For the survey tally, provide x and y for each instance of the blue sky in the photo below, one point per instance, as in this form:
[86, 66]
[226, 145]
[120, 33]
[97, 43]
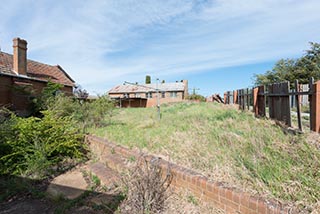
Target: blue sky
[217, 45]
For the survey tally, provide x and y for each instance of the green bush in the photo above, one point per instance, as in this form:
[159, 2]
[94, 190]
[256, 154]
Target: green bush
[46, 98]
[196, 97]
[32, 146]
[86, 114]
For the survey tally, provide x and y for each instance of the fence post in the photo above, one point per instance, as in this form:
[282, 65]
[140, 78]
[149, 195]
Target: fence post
[235, 97]
[296, 84]
[259, 103]
[225, 97]
[255, 101]
[315, 107]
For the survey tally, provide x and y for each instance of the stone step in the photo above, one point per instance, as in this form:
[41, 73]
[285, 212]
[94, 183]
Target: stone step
[115, 162]
[106, 175]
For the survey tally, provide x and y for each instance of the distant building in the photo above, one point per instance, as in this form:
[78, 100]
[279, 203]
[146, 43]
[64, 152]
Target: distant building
[20, 77]
[146, 95]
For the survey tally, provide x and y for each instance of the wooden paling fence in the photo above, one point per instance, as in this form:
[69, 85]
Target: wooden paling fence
[278, 99]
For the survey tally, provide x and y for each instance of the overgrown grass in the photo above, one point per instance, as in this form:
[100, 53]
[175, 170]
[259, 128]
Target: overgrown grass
[227, 145]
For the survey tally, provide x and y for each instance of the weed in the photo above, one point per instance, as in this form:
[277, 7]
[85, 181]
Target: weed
[96, 181]
[132, 158]
[146, 188]
[192, 199]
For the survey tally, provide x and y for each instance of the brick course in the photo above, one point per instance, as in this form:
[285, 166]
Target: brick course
[230, 200]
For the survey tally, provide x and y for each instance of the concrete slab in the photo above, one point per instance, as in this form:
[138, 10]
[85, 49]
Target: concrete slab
[69, 185]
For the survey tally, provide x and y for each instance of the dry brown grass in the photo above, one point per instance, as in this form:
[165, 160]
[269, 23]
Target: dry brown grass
[146, 187]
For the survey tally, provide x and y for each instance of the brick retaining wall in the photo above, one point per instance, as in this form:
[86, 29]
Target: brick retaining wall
[230, 200]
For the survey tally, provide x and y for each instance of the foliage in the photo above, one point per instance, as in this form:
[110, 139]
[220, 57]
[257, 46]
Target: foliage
[31, 146]
[301, 69]
[80, 93]
[196, 97]
[86, 114]
[46, 98]
[148, 79]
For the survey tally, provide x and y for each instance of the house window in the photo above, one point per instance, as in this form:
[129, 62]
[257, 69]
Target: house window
[137, 95]
[149, 95]
[163, 94]
[173, 94]
[126, 95]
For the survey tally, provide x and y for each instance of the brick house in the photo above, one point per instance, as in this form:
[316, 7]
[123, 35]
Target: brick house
[146, 95]
[21, 78]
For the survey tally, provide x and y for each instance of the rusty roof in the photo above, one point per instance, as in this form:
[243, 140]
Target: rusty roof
[36, 70]
[144, 88]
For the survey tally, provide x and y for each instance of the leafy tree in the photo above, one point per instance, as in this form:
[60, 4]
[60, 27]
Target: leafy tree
[80, 93]
[197, 97]
[148, 79]
[294, 69]
[42, 101]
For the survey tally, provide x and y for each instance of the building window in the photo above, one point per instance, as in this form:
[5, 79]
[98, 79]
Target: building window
[149, 95]
[163, 94]
[173, 94]
[137, 95]
[126, 95]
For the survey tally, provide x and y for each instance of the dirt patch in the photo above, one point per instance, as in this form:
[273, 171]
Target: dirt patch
[27, 206]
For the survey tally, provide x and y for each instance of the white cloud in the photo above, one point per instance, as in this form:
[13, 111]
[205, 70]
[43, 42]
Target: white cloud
[101, 43]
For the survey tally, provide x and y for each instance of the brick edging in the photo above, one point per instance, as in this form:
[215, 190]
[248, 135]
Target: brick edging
[229, 199]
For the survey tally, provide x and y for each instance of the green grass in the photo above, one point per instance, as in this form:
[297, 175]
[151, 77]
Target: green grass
[226, 145]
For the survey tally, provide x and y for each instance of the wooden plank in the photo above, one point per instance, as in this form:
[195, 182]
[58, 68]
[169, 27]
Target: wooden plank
[270, 101]
[311, 82]
[261, 102]
[255, 101]
[243, 100]
[286, 116]
[248, 99]
[296, 84]
[284, 95]
[235, 97]
[277, 102]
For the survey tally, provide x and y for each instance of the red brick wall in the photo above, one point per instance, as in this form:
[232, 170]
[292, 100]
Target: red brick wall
[230, 200]
[16, 100]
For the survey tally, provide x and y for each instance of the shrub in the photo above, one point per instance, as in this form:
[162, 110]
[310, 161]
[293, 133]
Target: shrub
[46, 98]
[146, 188]
[197, 97]
[31, 146]
[87, 114]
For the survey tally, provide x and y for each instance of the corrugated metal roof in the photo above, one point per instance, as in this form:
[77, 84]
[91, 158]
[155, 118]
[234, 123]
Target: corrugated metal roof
[176, 86]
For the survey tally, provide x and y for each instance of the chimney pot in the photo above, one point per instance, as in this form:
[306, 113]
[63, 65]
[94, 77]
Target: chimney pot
[20, 56]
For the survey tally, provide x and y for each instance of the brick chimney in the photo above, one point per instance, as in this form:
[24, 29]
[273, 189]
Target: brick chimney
[20, 56]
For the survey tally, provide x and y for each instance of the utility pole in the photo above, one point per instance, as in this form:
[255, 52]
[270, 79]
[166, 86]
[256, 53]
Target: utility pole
[194, 90]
